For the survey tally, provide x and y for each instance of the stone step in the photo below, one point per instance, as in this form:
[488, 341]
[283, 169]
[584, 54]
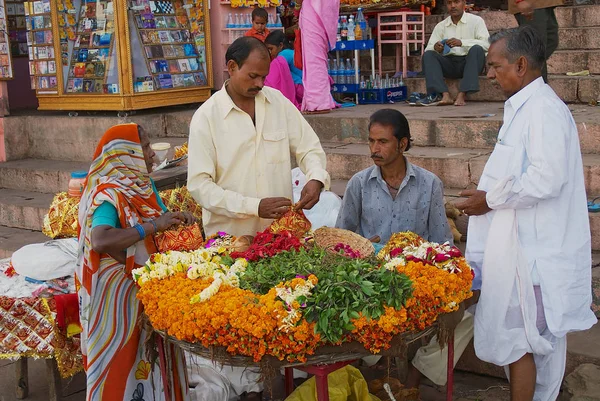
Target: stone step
[23, 209]
[50, 135]
[561, 62]
[444, 126]
[12, 239]
[579, 38]
[458, 168]
[569, 89]
[49, 176]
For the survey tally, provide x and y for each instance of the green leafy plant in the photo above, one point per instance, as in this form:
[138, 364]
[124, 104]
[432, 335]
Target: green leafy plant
[346, 288]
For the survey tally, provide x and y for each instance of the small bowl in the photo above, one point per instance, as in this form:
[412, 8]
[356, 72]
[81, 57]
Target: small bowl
[161, 149]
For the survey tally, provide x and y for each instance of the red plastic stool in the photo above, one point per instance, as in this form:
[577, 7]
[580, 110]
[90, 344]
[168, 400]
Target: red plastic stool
[321, 372]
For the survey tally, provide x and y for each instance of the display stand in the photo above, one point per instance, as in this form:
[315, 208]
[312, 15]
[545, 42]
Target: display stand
[6, 68]
[355, 46]
[119, 54]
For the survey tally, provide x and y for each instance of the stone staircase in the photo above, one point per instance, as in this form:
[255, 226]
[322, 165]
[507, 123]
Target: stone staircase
[579, 49]
[454, 143]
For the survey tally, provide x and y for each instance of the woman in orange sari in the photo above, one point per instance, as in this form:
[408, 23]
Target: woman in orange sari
[118, 214]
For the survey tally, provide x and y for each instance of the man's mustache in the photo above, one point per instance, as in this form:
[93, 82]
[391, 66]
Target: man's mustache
[254, 90]
[376, 156]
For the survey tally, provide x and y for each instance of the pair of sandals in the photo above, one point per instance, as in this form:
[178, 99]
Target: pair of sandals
[593, 206]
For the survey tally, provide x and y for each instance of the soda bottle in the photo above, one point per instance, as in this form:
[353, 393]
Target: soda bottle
[230, 21]
[344, 32]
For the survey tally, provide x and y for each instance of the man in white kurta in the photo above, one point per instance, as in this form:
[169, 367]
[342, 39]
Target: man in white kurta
[529, 236]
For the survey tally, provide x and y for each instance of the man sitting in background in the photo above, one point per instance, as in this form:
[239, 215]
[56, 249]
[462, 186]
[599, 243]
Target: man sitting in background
[394, 196]
[456, 49]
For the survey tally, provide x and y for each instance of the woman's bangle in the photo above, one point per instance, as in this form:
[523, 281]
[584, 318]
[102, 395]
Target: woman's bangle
[154, 225]
[140, 231]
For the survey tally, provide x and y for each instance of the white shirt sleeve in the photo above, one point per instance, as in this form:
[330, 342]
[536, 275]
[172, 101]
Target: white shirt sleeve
[482, 36]
[546, 147]
[436, 36]
[305, 145]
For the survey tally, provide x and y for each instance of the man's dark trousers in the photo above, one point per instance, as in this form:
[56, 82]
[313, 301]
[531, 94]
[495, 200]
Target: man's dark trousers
[543, 21]
[438, 67]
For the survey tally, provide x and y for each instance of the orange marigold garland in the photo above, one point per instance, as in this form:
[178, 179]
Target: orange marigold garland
[274, 320]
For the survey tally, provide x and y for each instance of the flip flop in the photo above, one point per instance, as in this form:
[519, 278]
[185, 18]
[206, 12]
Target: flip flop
[593, 207]
[317, 112]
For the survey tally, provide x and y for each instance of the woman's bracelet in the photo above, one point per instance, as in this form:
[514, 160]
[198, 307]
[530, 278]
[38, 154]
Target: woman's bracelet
[154, 225]
[140, 231]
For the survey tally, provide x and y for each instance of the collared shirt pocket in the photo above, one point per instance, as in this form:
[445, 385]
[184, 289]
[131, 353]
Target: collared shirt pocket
[276, 146]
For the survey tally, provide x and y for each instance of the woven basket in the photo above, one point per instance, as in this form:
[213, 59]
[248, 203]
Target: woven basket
[323, 355]
[328, 238]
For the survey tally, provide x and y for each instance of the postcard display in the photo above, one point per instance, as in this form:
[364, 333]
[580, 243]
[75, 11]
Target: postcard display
[17, 32]
[6, 70]
[118, 54]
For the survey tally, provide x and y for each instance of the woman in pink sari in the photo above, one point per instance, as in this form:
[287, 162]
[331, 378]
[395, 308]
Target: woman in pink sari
[280, 76]
[318, 27]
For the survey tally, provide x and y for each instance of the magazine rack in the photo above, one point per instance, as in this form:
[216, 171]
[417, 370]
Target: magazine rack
[118, 55]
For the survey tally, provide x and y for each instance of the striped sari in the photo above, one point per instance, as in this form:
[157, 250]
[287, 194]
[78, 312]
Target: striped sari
[113, 341]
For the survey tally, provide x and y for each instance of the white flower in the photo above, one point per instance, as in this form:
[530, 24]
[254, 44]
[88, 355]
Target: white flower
[394, 263]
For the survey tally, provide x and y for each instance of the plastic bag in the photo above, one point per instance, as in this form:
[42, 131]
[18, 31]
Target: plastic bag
[325, 212]
[345, 384]
[47, 261]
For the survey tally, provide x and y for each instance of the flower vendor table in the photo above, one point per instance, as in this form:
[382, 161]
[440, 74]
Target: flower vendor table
[275, 301]
[29, 330]
[326, 360]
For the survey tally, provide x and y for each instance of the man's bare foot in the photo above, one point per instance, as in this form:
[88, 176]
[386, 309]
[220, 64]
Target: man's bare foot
[446, 99]
[461, 99]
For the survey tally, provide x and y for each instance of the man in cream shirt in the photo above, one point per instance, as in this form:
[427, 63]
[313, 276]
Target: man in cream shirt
[239, 170]
[240, 142]
[456, 49]
[529, 236]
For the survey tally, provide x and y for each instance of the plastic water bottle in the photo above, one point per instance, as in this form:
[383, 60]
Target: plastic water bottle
[401, 81]
[248, 20]
[349, 72]
[236, 22]
[278, 23]
[342, 73]
[230, 23]
[351, 28]
[339, 30]
[334, 71]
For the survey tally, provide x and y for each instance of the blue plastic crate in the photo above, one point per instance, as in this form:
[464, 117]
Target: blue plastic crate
[345, 88]
[381, 96]
[354, 45]
[344, 45]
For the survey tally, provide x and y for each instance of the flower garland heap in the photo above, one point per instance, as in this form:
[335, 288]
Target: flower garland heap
[287, 300]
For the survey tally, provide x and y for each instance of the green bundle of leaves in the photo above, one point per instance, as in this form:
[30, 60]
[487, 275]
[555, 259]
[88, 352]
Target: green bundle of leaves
[346, 287]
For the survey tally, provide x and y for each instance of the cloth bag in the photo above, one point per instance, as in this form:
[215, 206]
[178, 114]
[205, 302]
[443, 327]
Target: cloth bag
[47, 261]
[505, 321]
[325, 212]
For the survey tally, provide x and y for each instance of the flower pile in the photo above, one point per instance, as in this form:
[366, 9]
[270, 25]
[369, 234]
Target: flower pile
[267, 244]
[346, 250]
[284, 300]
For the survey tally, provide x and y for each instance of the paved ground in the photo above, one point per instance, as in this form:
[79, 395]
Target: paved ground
[467, 386]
